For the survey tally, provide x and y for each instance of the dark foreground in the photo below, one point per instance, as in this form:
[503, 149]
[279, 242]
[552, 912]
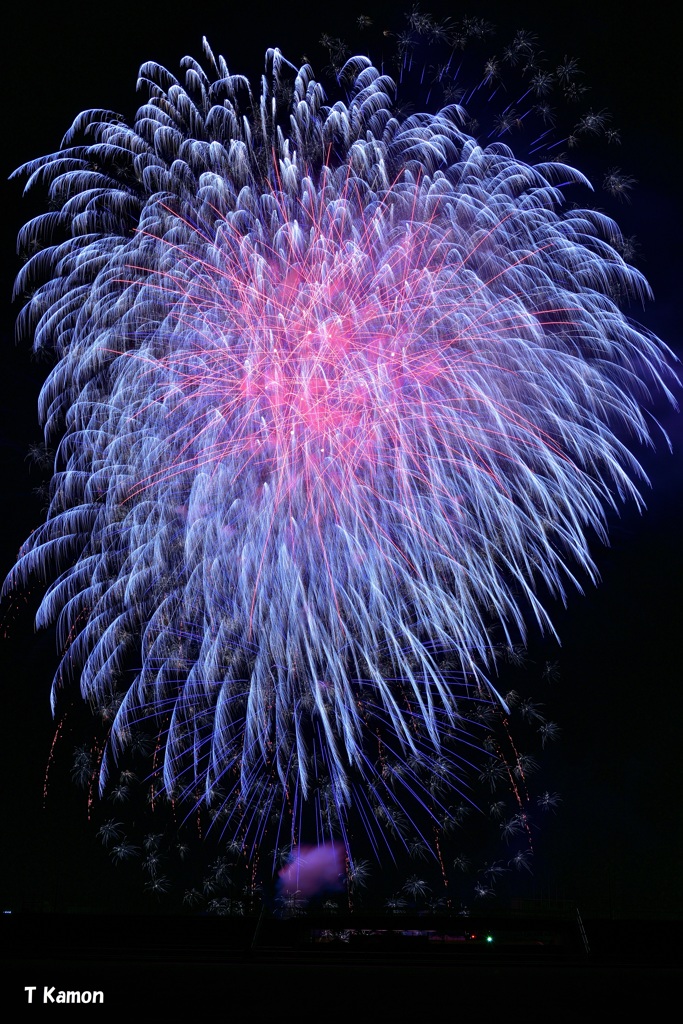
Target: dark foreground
[527, 968]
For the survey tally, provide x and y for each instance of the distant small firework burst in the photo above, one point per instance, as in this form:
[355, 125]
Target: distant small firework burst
[337, 395]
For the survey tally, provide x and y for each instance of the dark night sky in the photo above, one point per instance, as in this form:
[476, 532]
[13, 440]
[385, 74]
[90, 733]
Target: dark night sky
[616, 841]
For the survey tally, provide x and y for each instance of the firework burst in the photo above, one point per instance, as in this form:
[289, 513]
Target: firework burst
[336, 394]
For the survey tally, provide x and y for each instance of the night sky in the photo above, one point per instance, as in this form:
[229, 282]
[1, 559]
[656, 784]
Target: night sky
[615, 843]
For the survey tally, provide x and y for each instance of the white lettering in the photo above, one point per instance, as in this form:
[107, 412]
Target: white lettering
[66, 996]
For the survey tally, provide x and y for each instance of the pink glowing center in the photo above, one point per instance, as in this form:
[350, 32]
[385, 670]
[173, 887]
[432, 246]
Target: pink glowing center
[331, 375]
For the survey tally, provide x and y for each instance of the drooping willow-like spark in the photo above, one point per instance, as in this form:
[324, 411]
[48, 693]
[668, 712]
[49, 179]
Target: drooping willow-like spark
[335, 395]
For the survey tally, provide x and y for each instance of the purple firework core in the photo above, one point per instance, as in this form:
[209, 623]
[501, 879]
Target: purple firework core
[335, 395]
